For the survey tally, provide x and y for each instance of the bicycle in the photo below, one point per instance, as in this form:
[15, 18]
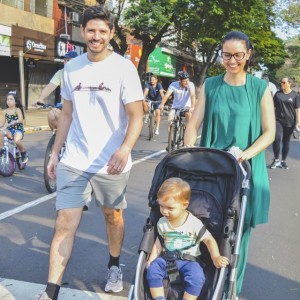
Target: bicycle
[151, 118]
[50, 183]
[10, 156]
[177, 130]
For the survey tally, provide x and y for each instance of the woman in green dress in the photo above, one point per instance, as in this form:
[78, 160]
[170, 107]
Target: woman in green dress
[236, 109]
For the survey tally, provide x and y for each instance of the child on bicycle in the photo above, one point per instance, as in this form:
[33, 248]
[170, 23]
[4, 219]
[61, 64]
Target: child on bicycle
[12, 122]
[178, 230]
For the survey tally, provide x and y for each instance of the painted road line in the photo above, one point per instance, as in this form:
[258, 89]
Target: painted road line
[19, 290]
[25, 206]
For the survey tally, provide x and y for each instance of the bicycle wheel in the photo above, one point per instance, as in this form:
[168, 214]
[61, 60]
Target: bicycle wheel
[50, 184]
[181, 136]
[171, 138]
[151, 126]
[7, 166]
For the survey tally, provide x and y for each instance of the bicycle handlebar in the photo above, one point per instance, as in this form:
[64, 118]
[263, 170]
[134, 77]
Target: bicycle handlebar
[47, 105]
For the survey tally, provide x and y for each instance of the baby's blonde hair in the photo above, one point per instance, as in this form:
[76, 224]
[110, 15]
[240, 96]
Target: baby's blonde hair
[176, 188]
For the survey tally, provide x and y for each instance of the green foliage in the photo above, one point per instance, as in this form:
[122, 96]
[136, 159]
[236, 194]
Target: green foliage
[200, 25]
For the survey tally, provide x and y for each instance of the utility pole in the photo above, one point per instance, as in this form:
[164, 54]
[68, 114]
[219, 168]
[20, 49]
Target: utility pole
[22, 77]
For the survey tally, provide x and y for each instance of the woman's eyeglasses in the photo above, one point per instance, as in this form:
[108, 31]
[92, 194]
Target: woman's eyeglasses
[238, 56]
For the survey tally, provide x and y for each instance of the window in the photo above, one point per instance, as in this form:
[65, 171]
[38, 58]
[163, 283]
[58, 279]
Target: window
[14, 3]
[42, 7]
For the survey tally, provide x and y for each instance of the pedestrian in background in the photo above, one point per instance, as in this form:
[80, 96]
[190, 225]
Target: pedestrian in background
[12, 123]
[154, 92]
[56, 81]
[271, 85]
[101, 118]
[287, 112]
[236, 109]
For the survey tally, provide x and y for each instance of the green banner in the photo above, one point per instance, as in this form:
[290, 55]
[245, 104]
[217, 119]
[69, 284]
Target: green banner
[162, 64]
[4, 45]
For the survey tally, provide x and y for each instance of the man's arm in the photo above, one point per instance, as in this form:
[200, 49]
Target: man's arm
[119, 159]
[48, 89]
[64, 123]
[193, 100]
[165, 99]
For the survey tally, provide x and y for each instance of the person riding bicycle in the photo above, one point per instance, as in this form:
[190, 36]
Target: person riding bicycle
[155, 92]
[56, 81]
[184, 95]
[12, 123]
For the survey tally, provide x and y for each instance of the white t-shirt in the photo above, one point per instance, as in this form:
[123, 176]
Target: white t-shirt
[57, 78]
[272, 88]
[182, 236]
[182, 96]
[99, 92]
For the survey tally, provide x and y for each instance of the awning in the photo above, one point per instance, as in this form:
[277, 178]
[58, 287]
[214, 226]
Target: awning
[161, 64]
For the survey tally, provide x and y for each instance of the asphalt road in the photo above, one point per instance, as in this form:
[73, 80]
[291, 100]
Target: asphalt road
[273, 270]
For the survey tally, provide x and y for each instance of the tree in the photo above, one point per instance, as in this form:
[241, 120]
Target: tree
[150, 21]
[213, 19]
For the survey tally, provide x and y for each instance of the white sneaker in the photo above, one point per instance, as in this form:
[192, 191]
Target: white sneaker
[114, 280]
[156, 131]
[42, 296]
[276, 163]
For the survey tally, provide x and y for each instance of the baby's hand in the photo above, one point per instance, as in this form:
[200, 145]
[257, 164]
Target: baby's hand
[221, 262]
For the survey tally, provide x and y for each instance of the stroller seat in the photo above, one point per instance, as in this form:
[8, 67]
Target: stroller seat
[216, 180]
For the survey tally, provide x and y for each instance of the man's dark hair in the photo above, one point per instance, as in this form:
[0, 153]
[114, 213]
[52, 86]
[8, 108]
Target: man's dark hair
[97, 12]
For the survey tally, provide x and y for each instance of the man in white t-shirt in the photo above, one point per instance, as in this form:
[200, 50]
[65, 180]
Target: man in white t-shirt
[183, 95]
[56, 81]
[271, 85]
[102, 118]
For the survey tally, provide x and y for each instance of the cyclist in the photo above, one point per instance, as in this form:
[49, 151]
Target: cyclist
[13, 123]
[183, 92]
[155, 92]
[55, 81]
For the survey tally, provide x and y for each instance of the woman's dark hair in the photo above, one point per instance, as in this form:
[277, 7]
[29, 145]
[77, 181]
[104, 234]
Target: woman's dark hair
[17, 100]
[97, 12]
[240, 36]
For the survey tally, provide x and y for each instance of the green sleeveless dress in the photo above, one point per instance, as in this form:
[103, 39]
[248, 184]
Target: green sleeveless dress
[233, 118]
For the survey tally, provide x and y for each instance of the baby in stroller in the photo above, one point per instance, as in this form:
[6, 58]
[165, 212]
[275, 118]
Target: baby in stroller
[179, 235]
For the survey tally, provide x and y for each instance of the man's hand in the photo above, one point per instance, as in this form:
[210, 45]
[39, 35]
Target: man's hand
[118, 161]
[52, 164]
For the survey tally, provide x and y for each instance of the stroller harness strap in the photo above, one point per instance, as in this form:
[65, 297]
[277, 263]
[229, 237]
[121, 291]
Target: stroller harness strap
[171, 256]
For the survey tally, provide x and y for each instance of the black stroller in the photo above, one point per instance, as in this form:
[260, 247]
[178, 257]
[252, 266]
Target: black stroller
[219, 198]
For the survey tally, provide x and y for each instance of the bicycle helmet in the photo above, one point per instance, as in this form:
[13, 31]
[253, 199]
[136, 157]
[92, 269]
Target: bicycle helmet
[71, 54]
[183, 75]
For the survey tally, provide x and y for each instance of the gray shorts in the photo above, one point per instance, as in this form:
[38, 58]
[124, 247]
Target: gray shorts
[76, 188]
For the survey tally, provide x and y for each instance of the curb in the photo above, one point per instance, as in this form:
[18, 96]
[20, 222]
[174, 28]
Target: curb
[32, 129]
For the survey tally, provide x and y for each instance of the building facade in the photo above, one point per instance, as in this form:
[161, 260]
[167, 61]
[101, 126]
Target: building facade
[34, 36]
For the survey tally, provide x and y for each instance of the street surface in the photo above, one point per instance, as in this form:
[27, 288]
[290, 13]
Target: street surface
[27, 217]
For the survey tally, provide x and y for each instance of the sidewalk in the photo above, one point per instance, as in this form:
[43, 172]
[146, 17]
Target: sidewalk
[36, 120]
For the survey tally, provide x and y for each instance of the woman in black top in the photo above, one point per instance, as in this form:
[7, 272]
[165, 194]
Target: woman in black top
[287, 112]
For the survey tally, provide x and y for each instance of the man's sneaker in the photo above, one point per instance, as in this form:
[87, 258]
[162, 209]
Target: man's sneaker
[284, 165]
[156, 131]
[43, 296]
[114, 280]
[24, 157]
[275, 164]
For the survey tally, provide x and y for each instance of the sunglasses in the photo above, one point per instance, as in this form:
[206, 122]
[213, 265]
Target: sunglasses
[283, 82]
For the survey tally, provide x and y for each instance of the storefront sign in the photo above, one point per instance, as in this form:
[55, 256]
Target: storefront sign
[63, 46]
[36, 47]
[135, 54]
[4, 45]
[162, 64]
